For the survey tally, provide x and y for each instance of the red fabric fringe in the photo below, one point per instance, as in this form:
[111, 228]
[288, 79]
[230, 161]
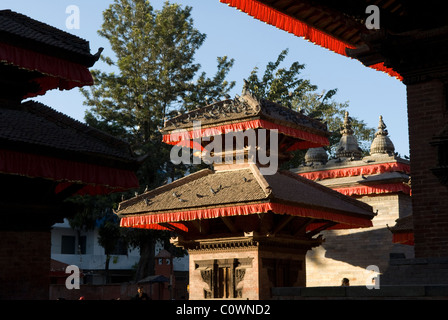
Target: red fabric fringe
[403, 238]
[182, 137]
[357, 171]
[59, 73]
[99, 179]
[151, 221]
[282, 21]
[377, 189]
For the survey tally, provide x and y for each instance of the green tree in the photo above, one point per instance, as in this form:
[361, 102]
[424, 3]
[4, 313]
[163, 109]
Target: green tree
[153, 75]
[108, 237]
[287, 87]
[96, 212]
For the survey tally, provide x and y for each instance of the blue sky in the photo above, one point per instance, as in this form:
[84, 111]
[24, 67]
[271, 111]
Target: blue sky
[251, 43]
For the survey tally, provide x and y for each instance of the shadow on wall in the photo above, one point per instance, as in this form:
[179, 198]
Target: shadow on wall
[362, 248]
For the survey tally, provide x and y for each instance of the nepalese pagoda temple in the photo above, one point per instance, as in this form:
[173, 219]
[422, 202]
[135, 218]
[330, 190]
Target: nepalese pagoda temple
[246, 230]
[380, 179]
[409, 42]
[45, 156]
[350, 162]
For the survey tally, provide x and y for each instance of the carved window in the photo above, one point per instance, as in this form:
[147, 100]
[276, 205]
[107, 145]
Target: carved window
[223, 277]
[224, 283]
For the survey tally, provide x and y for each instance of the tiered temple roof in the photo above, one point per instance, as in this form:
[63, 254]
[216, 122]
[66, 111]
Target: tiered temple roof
[247, 112]
[37, 57]
[234, 197]
[41, 149]
[45, 156]
[37, 141]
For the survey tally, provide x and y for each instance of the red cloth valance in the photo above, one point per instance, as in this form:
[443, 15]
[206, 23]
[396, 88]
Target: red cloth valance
[357, 171]
[99, 179]
[150, 220]
[403, 238]
[154, 226]
[58, 73]
[377, 189]
[282, 21]
[310, 140]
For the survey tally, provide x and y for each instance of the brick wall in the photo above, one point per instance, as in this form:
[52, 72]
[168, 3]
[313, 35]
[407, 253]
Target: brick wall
[25, 265]
[427, 115]
[347, 253]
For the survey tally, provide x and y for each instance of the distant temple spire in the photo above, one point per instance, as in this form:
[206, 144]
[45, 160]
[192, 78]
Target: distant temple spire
[348, 145]
[316, 156]
[382, 143]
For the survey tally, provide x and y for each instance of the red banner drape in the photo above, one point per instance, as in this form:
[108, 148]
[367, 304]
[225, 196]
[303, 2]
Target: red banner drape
[375, 189]
[357, 171]
[58, 73]
[186, 138]
[152, 220]
[403, 238]
[98, 179]
[282, 21]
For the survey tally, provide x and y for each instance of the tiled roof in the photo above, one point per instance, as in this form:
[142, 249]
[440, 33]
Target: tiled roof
[35, 124]
[19, 26]
[194, 191]
[240, 187]
[290, 187]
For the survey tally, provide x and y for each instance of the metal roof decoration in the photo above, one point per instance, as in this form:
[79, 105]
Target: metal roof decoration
[382, 144]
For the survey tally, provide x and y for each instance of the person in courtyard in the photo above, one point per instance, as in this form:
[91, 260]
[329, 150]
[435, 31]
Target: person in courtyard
[141, 295]
[345, 282]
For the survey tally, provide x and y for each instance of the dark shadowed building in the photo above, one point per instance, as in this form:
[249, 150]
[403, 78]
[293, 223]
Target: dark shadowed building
[45, 156]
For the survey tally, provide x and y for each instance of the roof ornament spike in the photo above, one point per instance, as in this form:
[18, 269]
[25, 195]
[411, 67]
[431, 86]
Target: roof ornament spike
[348, 145]
[347, 126]
[247, 92]
[245, 87]
[381, 128]
[382, 144]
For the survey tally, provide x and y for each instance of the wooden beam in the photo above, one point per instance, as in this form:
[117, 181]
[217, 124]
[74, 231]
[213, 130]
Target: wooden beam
[229, 224]
[266, 220]
[69, 191]
[319, 229]
[301, 229]
[201, 226]
[173, 228]
[285, 220]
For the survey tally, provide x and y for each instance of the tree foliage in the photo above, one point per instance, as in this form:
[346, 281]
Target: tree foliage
[287, 87]
[151, 74]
